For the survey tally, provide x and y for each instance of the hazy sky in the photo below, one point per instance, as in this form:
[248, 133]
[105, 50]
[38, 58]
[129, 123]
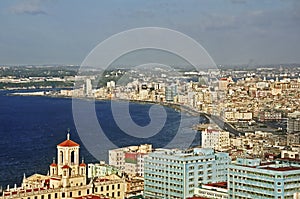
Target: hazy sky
[232, 31]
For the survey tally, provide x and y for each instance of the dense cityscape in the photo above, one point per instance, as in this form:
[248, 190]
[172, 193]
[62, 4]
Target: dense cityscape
[250, 147]
[150, 99]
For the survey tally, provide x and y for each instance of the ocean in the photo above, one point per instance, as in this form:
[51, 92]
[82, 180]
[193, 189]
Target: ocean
[32, 126]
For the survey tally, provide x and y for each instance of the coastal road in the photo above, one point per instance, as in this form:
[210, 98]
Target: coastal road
[225, 125]
[213, 118]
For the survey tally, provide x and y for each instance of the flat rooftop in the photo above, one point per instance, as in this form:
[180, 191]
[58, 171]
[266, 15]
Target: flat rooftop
[218, 185]
[281, 168]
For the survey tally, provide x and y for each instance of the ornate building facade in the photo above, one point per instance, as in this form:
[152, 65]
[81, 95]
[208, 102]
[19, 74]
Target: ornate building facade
[67, 178]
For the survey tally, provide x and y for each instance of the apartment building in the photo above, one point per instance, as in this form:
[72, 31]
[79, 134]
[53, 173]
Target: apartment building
[249, 178]
[130, 159]
[215, 138]
[174, 173]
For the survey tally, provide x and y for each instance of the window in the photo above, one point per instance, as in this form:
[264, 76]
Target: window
[88, 191]
[55, 195]
[61, 155]
[113, 187]
[63, 195]
[79, 193]
[49, 196]
[118, 186]
[107, 188]
[35, 197]
[72, 157]
[42, 197]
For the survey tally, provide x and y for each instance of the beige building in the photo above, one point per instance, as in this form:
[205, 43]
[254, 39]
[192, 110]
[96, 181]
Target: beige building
[66, 179]
[134, 186]
[216, 139]
[292, 153]
[112, 186]
[235, 115]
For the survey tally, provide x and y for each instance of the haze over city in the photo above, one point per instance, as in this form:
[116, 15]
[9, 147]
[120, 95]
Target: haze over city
[232, 31]
[149, 99]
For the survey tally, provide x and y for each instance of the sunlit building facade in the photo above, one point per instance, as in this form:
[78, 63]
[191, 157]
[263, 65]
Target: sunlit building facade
[173, 173]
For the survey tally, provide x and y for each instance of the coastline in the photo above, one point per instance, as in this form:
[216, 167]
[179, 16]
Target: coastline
[177, 107]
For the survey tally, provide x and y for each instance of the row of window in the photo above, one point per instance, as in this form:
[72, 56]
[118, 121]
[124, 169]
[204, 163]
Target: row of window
[180, 161]
[63, 195]
[163, 177]
[107, 188]
[163, 183]
[248, 194]
[151, 170]
[164, 190]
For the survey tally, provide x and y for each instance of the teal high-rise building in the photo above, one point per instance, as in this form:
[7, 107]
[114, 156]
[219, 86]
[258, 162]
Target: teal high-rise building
[249, 178]
[174, 173]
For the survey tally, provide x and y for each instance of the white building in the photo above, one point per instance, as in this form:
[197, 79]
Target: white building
[111, 84]
[101, 169]
[216, 139]
[214, 190]
[130, 159]
[88, 87]
[174, 173]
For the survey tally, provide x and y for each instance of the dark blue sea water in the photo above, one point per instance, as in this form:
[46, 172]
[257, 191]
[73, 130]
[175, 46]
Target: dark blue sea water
[31, 127]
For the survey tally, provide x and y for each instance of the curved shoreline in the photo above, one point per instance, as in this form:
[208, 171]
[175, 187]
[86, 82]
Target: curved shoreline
[177, 107]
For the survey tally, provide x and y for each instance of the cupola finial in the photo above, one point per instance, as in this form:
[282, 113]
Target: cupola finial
[68, 134]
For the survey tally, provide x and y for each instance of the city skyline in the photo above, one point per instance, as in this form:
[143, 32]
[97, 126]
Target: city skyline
[232, 31]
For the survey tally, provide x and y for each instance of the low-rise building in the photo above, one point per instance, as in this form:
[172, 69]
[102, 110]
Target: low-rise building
[112, 186]
[101, 169]
[130, 159]
[134, 186]
[214, 190]
[291, 152]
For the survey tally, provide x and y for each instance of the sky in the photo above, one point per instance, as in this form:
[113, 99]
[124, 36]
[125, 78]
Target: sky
[232, 31]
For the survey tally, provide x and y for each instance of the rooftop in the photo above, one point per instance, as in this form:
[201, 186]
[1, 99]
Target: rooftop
[68, 142]
[92, 197]
[281, 168]
[218, 185]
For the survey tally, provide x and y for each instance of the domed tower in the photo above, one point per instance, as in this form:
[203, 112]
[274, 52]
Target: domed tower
[53, 169]
[82, 168]
[68, 154]
[68, 171]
